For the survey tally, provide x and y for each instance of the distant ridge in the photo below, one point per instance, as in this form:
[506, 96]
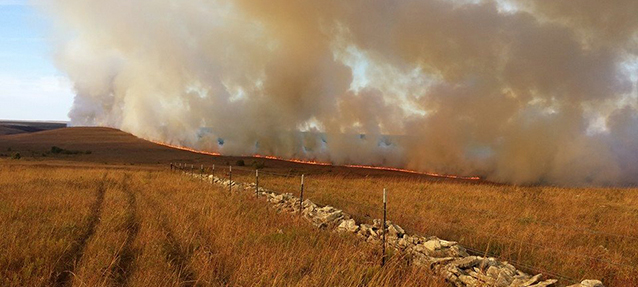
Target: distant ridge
[9, 127]
[104, 145]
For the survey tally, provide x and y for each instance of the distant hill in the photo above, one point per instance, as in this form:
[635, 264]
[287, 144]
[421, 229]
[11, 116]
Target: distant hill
[18, 127]
[93, 144]
[100, 145]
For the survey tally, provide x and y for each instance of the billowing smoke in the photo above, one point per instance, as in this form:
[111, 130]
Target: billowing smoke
[513, 90]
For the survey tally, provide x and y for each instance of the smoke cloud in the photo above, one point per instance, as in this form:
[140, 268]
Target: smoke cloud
[515, 91]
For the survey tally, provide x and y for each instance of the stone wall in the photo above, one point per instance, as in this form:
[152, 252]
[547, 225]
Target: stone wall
[446, 258]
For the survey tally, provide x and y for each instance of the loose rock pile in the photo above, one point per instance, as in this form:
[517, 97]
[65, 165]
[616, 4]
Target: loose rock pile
[446, 258]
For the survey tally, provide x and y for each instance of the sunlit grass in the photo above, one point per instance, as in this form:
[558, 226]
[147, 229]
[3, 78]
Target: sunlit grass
[165, 229]
[573, 232]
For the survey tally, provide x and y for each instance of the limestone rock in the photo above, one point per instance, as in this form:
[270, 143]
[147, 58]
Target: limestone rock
[468, 280]
[545, 283]
[467, 262]
[432, 245]
[493, 272]
[439, 261]
[366, 230]
[531, 280]
[348, 226]
[588, 283]
[447, 244]
[395, 230]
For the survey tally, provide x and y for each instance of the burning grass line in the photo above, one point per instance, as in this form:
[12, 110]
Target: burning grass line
[312, 162]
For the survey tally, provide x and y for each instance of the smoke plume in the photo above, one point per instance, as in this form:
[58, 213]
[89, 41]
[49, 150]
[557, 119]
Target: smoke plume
[512, 90]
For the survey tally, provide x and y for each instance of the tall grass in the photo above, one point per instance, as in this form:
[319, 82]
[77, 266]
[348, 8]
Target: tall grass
[575, 233]
[43, 216]
[143, 228]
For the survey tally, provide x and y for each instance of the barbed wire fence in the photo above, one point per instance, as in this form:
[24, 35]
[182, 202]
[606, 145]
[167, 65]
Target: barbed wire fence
[294, 184]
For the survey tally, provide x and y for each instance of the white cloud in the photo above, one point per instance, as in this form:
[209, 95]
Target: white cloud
[35, 98]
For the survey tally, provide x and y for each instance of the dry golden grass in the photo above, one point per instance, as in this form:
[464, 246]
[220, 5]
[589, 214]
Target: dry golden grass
[113, 227]
[574, 232]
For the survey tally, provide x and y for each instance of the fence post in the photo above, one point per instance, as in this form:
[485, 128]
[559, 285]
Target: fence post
[301, 196]
[256, 183]
[384, 227]
[213, 177]
[230, 178]
[201, 172]
[192, 170]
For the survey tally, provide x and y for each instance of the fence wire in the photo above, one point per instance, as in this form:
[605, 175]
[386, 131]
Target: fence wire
[223, 173]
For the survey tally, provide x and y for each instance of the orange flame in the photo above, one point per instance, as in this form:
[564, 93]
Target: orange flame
[293, 160]
[185, 148]
[414, 172]
[301, 161]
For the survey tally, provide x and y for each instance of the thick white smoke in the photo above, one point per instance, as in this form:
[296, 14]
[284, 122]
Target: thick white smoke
[513, 90]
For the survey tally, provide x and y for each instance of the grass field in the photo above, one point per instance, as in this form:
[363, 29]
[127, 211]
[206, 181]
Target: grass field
[575, 233]
[157, 227]
[104, 227]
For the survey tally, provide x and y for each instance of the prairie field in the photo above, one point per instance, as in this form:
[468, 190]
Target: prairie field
[110, 227]
[118, 216]
[565, 233]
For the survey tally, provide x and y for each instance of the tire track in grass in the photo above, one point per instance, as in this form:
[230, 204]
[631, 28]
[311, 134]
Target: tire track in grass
[124, 266]
[176, 254]
[65, 266]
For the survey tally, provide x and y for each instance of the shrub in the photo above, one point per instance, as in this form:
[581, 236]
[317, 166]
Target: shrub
[240, 163]
[59, 150]
[259, 165]
[16, 156]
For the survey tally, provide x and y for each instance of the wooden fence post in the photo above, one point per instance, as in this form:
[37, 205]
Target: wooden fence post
[301, 196]
[230, 178]
[256, 183]
[384, 227]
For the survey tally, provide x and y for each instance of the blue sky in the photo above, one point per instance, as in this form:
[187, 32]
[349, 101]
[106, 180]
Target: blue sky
[31, 88]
